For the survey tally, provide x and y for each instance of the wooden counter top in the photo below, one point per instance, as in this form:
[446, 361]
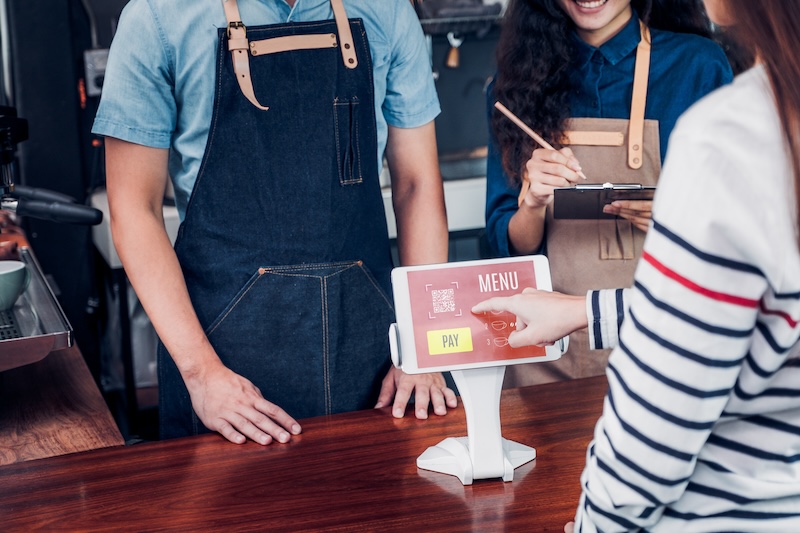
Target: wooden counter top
[354, 471]
[52, 407]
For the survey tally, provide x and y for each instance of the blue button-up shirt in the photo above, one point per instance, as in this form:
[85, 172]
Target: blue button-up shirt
[159, 84]
[683, 69]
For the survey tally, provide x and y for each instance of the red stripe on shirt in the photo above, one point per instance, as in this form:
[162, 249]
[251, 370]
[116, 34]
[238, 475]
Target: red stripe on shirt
[792, 322]
[714, 295]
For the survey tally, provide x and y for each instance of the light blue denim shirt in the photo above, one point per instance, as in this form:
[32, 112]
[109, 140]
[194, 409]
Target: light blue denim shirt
[159, 84]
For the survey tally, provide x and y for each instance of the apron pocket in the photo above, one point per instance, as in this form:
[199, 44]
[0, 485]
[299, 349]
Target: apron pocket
[313, 338]
[616, 239]
[348, 151]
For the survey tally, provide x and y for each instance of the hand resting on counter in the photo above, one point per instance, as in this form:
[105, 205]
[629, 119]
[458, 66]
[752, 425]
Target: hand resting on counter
[428, 389]
[231, 405]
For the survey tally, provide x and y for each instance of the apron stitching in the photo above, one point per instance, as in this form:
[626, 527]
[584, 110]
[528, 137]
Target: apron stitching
[378, 288]
[308, 266]
[358, 154]
[325, 344]
[233, 304]
[300, 25]
[368, 58]
[336, 136]
[297, 275]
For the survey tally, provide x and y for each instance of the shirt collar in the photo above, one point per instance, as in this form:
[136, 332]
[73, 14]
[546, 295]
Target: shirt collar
[305, 5]
[613, 50]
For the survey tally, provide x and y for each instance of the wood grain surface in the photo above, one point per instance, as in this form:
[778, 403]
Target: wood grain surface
[348, 472]
[52, 407]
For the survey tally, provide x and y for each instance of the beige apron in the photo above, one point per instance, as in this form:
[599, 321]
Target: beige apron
[601, 254]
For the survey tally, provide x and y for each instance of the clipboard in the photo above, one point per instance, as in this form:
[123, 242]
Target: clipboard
[585, 202]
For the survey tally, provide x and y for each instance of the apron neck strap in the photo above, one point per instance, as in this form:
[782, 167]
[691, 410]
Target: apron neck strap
[239, 46]
[640, 76]
[345, 36]
[240, 51]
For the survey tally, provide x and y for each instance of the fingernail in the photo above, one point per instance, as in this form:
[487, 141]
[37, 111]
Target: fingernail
[283, 437]
[378, 405]
[398, 413]
[264, 440]
[296, 429]
[422, 414]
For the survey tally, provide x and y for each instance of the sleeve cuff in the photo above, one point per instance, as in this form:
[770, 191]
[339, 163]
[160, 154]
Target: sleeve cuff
[605, 311]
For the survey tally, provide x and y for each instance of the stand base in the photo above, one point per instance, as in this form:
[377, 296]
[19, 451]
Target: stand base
[451, 456]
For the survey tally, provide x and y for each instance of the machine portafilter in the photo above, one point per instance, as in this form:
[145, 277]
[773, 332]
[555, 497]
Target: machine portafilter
[31, 201]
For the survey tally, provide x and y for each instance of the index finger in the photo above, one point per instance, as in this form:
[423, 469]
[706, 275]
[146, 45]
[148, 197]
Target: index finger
[496, 304]
[562, 157]
[277, 415]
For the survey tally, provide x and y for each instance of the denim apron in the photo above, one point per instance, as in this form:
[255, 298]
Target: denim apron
[284, 246]
[599, 254]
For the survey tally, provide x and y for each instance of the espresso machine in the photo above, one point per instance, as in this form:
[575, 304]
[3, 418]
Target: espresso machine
[32, 201]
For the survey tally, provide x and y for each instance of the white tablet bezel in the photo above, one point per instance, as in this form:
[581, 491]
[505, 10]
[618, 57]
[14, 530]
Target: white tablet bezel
[404, 341]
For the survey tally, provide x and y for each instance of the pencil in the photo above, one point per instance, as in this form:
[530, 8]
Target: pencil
[533, 135]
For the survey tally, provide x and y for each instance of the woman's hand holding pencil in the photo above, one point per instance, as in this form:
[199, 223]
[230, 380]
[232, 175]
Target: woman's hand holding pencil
[547, 168]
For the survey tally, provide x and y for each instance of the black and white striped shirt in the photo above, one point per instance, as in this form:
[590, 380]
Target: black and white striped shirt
[701, 425]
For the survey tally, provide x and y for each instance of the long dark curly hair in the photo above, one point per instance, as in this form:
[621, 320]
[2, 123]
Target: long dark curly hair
[534, 55]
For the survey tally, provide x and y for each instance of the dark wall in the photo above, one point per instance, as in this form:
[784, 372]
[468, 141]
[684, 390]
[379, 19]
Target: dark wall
[462, 130]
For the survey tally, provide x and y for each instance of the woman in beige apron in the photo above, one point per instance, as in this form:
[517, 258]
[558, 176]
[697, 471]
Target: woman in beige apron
[628, 148]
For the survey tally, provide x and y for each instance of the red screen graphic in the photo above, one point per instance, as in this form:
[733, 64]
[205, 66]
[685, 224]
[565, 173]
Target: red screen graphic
[441, 303]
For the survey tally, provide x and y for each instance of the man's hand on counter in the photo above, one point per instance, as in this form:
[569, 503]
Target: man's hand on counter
[231, 405]
[428, 389]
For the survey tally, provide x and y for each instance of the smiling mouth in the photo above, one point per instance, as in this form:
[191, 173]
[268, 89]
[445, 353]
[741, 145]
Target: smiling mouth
[589, 4]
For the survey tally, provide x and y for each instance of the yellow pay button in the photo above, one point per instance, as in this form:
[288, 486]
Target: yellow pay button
[444, 341]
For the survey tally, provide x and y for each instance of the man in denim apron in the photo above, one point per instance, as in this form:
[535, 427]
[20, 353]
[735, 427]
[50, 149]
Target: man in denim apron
[277, 295]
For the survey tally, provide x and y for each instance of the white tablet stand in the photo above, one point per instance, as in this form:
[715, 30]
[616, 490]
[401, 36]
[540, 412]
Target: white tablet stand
[443, 295]
[483, 453]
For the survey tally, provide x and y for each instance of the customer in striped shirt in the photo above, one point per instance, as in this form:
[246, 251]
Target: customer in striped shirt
[701, 424]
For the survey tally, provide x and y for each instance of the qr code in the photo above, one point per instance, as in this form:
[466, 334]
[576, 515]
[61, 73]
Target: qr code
[444, 300]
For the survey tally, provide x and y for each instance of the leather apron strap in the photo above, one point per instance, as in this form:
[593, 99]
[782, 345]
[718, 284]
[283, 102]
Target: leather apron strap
[639, 99]
[240, 47]
[641, 74]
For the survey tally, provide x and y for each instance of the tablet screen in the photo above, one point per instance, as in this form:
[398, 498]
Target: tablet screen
[438, 301]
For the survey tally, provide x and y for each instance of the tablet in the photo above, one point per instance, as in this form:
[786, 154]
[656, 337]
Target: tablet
[587, 201]
[436, 329]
